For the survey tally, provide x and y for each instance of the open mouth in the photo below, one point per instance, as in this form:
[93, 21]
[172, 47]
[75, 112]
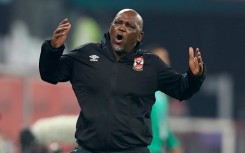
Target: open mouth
[119, 38]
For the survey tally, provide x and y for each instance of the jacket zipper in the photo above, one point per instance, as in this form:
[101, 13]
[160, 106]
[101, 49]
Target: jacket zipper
[114, 89]
[114, 77]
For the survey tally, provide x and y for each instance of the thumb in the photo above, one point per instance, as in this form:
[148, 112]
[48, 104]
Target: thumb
[191, 53]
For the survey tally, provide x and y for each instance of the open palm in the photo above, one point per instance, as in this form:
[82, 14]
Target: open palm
[195, 62]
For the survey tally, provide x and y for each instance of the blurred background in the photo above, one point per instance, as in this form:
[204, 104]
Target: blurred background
[213, 121]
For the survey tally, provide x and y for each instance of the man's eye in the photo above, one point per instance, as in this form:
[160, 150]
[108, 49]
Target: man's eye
[117, 22]
[131, 26]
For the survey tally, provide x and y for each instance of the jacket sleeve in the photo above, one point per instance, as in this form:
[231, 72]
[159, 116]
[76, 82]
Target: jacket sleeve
[54, 67]
[176, 85]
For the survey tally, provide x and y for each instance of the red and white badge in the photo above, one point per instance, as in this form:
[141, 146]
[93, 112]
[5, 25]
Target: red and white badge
[138, 63]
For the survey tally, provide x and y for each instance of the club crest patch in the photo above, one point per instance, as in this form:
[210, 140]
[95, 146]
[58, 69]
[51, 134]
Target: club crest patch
[138, 63]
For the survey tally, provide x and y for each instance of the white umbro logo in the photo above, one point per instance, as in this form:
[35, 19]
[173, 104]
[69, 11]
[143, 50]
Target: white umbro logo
[94, 58]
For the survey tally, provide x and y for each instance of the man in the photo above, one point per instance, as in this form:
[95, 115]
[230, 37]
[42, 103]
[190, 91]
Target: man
[163, 137]
[115, 82]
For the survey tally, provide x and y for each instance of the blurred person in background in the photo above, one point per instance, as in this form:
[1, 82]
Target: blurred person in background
[163, 136]
[115, 83]
[29, 143]
[31, 140]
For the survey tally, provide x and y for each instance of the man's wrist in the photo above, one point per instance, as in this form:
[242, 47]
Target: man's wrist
[55, 48]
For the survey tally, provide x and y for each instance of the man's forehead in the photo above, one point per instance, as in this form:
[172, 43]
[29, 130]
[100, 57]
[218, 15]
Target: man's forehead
[126, 16]
[130, 16]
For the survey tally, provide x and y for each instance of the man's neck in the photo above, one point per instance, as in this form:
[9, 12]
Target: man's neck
[119, 54]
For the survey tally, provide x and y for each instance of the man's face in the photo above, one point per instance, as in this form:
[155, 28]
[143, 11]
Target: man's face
[125, 31]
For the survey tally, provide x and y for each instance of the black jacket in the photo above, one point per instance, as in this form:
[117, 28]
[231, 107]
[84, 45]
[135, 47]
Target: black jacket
[115, 97]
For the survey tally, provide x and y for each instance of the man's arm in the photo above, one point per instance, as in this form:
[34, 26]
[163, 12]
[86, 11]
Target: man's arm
[182, 86]
[53, 66]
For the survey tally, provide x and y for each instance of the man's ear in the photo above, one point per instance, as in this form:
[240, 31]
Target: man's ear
[140, 37]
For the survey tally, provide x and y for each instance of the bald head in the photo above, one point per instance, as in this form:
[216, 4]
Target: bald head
[132, 12]
[126, 31]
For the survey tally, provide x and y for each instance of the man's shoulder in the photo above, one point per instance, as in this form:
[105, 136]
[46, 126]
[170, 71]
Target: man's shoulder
[87, 46]
[84, 50]
[149, 54]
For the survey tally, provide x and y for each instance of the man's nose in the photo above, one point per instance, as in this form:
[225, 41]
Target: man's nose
[122, 28]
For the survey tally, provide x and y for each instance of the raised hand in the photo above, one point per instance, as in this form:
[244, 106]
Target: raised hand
[195, 62]
[60, 34]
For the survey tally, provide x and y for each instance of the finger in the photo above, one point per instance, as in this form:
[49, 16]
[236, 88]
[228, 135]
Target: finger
[60, 30]
[59, 33]
[200, 68]
[64, 25]
[199, 60]
[63, 21]
[199, 57]
[191, 53]
[68, 27]
[56, 36]
[197, 50]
